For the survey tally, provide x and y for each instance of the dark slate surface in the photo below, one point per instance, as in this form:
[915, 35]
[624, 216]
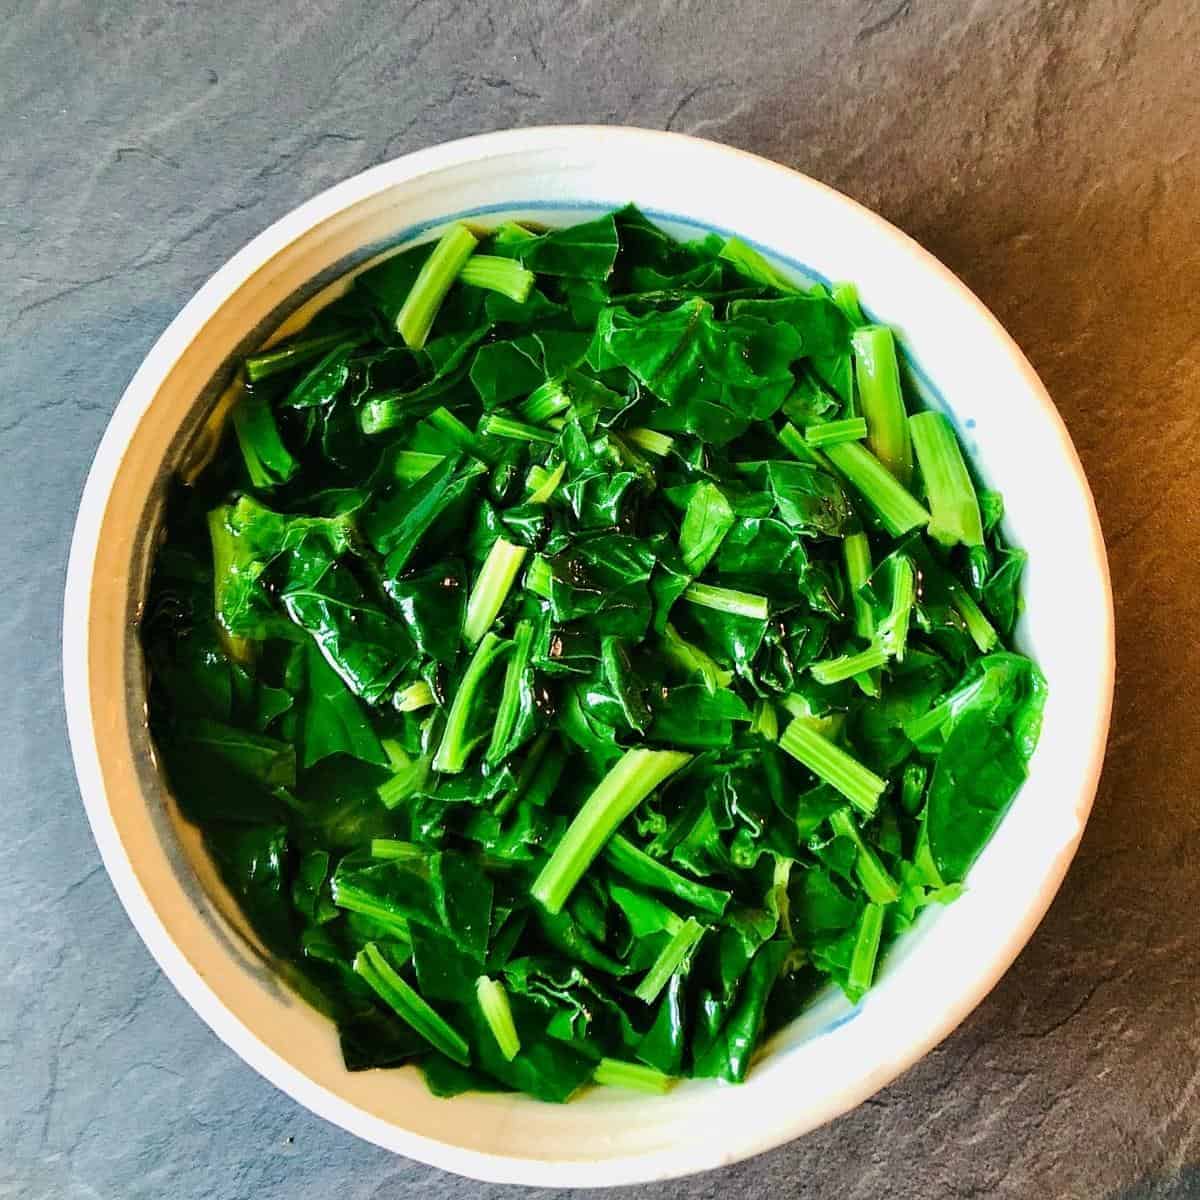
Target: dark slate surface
[1046, 149]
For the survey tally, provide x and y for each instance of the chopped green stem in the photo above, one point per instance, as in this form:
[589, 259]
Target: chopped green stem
[547, 483]
[875, 878]
[845, 296]
[491, 588]
[912, 788]
[354, 900]
[832, 433]
[511, 233]
[537, 476]
[395, 848]
[766, 721]
[451, 756]
[545, 402]
[798, 706]
[650, 440]
[834, 670]
[411, 1008]
[445, 422]
[498, 426]
[898, 509]
[397, 756]
[224, 554]
[948, 485]
[382, 413]
[268, 461]
[792, 440]
[866, 950]
[415, 696]
[510, 698]
[496, 274]
[440, 270]
[844, 773]
[627, 784]
[669, 960]
[406, 782]
[497, 1012]
[892, 635]
[612, 1072]
[411, 465]
[727, 600]
[284, 358]
[877, 373]
[637, 865]
[982, 632]
[631, 458]
[539, 577]
[857, 551]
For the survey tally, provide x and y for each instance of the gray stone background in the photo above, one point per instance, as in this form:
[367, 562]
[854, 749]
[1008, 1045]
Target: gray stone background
[1048, 150]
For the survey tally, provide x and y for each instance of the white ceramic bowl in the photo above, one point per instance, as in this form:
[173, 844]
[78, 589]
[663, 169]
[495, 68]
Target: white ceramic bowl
[834, 1057]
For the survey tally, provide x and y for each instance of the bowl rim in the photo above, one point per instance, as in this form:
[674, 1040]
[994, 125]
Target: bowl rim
[202, 996]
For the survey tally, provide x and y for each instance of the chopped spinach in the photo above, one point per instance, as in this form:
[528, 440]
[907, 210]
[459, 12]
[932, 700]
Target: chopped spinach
[579, 651]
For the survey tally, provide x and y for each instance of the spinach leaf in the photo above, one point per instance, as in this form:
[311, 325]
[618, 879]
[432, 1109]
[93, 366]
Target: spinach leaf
[331, 720]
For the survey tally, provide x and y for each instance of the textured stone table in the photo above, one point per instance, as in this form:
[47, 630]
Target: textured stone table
[1048, 150]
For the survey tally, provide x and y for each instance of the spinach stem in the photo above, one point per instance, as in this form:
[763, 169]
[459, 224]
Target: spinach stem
[501, 426]
[415, 696]
[896, 507]
[283, 358]
[627, 784]
[834, 670]
[952, 499]
[496, 274]
[510, 697]
[545, 401]
[637, 865]
[832, 433]
[856, 550]
[394, 848]
[497, 1012]
[410, 1007]
[451, 756]
[546, 483]
[612, 1072]
[875, 878]
[669, 960]
[866, 950]
[727, 600]
[650, 440]
[844, 773]
[877, 374]
[416, 316]
[491, 588]
[892, 635]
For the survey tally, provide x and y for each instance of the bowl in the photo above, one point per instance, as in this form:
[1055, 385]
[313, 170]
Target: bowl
[958, 357]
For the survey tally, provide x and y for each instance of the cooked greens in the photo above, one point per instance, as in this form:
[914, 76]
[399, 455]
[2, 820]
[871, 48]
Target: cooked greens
[579, 653]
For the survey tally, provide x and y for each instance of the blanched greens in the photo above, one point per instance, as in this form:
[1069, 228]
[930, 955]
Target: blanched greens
[578, 653]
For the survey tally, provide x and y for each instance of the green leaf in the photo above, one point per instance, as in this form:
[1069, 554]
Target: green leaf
[584, 251]
[331, 720]
[705, 523]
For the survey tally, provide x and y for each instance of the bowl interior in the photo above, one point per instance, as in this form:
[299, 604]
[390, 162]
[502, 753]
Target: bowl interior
[960, 360]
